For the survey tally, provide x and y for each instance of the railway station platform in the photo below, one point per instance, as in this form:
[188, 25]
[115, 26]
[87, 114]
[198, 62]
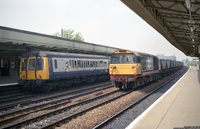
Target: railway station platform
[178, 108]
[8, 80]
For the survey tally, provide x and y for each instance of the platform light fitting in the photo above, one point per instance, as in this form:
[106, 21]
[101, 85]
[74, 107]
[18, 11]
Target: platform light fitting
[191, 28]
[193, 40]
[188, 4]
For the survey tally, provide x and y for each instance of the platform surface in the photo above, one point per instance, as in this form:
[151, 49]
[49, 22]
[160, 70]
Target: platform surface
[8, 80]
[177, 108]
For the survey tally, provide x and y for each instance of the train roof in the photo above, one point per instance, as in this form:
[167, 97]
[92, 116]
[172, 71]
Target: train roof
[60, 54]
[123, 51]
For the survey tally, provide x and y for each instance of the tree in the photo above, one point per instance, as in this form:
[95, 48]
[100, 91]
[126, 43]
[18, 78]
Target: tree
[69, 34]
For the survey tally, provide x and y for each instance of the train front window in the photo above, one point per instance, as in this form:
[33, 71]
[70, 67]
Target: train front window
[24, 65]
[122, 59]
[40, 64]
[31, 65]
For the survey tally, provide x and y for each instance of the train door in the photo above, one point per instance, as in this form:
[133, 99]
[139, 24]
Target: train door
[36, 68]
[31, 68]
[23, 68]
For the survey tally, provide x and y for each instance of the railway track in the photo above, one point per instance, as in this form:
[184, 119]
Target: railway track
[63, 110]
[14, 97]
[51, 103]
[66, 113]
[9, 89]
[107, 121]
[36, 98]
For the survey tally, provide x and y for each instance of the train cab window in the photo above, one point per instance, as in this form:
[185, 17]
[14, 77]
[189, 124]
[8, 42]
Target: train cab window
[129, 59]
[40, 64]
[55, 64]
[123, 59]
[24, 65]
[31, 65]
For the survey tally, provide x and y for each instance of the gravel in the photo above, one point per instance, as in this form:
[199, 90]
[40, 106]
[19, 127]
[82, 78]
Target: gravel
[127, 117]
[73, 101]
[98, 115]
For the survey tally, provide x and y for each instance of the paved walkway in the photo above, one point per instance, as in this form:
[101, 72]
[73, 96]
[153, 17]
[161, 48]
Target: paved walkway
[178, 108]
[8, 79]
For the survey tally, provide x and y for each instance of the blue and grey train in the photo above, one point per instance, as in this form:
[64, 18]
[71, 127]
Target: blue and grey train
[46, 70]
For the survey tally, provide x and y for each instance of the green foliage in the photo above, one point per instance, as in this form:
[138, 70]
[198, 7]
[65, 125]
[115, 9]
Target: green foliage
[193, 63]
[190, 63]
[69, 34]
[186, 62]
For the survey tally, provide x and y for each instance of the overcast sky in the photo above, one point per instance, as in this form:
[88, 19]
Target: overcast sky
[105, 22]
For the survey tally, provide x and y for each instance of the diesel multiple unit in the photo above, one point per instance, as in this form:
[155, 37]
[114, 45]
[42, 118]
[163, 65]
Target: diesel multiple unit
[48, 70]
[129, 70]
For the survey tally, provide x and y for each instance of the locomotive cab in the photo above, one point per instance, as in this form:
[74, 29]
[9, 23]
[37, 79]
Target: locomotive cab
[33, 70]
[124, 68]
[124, 64]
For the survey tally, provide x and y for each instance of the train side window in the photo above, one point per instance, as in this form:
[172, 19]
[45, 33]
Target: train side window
[101, 62]
[96, 63]
[31, 65]
[24, 65]
[79, 63]
[75, 64]
[82, 64]
[70, 63]
[55, 64]
[88, 63]
[50, 65]
[105, 64]
[91, 64]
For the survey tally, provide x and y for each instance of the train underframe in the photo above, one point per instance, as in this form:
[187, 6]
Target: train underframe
[133, 82]
[130, 82]
[60, 83]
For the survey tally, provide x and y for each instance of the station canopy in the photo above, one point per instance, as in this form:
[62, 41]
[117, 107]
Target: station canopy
[177, 20]
[20, 41]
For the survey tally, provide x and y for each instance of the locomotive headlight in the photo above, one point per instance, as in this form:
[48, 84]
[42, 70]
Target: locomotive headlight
[133, 67]
[111, 68]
